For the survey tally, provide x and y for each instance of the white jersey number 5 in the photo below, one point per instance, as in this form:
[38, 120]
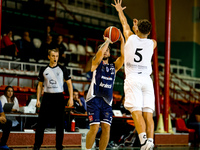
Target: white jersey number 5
[138, 54]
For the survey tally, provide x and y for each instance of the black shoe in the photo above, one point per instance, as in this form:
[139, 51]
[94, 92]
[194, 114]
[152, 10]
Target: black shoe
[36, 148]
[59, 148]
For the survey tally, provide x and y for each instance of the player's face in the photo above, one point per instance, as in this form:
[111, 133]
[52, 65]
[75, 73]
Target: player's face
[75, 95]
[9, 92]
[53, 57]
[106, 54]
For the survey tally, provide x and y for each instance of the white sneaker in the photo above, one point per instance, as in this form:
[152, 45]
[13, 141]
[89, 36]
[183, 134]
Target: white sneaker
[148, 146]
[144, 145]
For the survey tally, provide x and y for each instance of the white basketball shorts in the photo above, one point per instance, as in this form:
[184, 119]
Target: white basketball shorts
[139, 93]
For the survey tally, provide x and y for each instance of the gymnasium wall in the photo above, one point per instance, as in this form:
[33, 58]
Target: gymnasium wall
[185, 28]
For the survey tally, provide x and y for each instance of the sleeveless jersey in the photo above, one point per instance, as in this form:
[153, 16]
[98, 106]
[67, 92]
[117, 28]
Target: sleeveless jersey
[53, 78]
[138, 53]
[102, 83]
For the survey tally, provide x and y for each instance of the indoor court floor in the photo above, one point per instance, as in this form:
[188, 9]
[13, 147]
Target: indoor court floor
[125, 148]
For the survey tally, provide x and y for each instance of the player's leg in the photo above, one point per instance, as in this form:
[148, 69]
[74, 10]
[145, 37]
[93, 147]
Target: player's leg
[105, 136]
[134, 103]
[148, 108]
[148, 118]
[93, 112]
[149, 105]
[91, 135]
[139, 121]
[106, 120]
[140, 126]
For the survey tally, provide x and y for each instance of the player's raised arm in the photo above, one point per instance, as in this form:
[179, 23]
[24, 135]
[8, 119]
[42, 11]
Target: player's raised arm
[135, 26]
[99, 55]
[120, 60]
[126, 28]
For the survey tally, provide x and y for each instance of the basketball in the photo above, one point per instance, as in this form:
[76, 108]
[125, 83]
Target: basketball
[112, 33]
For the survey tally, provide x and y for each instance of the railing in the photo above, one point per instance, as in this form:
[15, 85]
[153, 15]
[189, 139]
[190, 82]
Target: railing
[11, 66]
[82, 11]
[180, 90]
[96, 5]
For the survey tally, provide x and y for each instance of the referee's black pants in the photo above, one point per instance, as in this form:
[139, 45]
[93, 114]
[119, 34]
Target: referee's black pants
[51, 111]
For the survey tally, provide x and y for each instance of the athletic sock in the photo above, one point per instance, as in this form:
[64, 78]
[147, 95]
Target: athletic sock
[142, 137]
[150, 140]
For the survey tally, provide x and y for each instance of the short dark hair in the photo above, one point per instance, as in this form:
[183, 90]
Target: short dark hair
[144, 26]
[75, 90]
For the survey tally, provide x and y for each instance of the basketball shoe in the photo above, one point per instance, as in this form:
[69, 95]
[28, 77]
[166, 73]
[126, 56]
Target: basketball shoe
[147, 145]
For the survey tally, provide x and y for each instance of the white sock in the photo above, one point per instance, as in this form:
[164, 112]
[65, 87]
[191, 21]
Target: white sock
[150, 140]
[88, 149]
[142, 137]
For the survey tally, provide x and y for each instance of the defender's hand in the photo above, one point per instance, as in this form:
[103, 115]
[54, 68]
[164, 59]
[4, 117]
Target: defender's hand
[118, 5]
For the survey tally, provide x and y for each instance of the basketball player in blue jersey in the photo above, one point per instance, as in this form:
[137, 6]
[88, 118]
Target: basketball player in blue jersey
[100, 94]
[52, 107]
[138, 87]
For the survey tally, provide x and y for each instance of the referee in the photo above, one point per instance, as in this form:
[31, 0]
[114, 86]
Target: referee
[52, 107]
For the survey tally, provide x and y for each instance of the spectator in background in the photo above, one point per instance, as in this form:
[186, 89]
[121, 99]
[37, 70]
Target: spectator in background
[7, 46]
[48, 31]
[26, 47]
[194, 122]
[62, 56]
[5, 125]
[43, 52]
[79, 108]
[9, 97]
[79, 103]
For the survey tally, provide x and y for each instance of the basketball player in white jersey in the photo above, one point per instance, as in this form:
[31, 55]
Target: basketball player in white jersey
[139, 92]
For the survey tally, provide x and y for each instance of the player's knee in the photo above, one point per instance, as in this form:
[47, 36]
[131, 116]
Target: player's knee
[105, 126]
[147, 109]
[132, 109]
[94, 128]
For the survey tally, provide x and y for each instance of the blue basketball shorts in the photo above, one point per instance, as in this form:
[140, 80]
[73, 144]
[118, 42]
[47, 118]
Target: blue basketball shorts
[99, 111]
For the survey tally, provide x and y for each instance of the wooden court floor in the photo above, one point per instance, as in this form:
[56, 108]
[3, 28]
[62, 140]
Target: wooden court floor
[135, 148]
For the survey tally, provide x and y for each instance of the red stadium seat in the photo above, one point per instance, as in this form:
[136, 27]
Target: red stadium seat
[2, 88]
[33, 90]
[181, 127]
[15, 88]
[23, 89]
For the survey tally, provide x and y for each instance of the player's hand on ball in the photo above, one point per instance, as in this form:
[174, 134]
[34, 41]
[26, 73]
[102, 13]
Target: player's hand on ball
[107, 39]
